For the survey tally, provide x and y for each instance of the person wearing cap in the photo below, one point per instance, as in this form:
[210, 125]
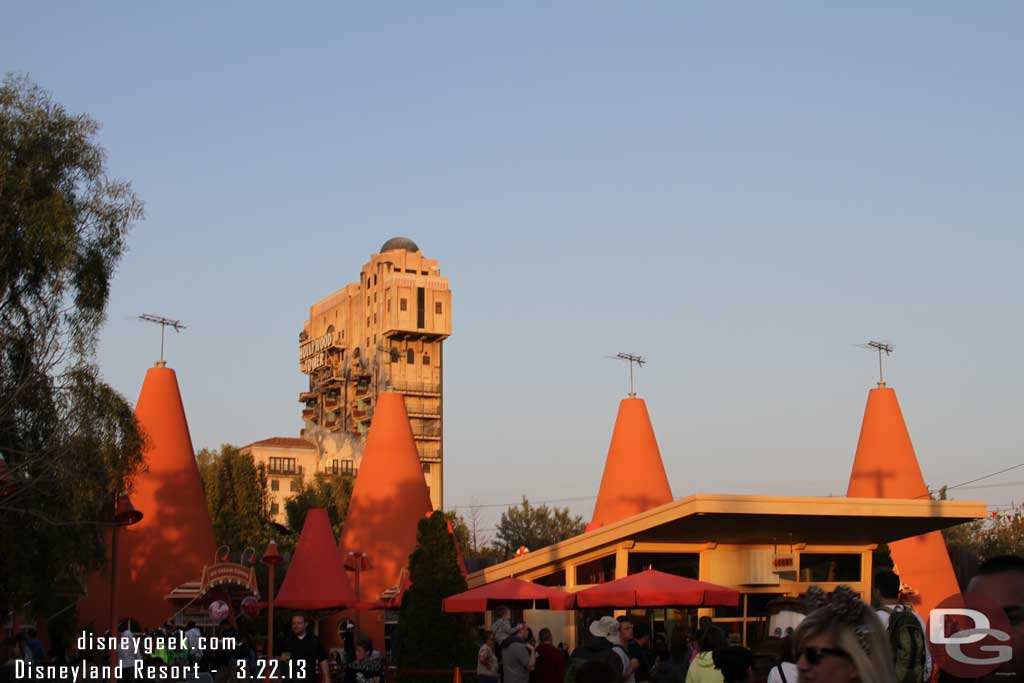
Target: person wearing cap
[517, 657]
[601, 646]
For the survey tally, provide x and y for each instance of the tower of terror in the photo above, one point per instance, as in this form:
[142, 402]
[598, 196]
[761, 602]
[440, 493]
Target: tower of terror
[384, 333]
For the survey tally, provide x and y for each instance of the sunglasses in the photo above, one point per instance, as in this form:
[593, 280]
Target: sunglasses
[814, 655]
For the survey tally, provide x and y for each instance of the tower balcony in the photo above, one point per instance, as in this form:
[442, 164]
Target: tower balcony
[427, 432]
[284, 470]
[417, 388]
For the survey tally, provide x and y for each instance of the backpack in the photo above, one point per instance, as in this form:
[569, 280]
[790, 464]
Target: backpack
[906, 637]
[578, 659]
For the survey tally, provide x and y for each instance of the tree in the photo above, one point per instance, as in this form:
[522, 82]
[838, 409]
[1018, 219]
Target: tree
[331, 491]
[535, 527]
[971, 543]
[69, 441]
[461, 531]
[428, 637]
[237, 497]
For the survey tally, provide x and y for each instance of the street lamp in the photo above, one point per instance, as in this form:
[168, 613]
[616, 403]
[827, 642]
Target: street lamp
[271, 558]
[125, 514]
[358, 562]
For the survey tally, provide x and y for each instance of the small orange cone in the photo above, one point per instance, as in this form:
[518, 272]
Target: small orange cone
[457, 675]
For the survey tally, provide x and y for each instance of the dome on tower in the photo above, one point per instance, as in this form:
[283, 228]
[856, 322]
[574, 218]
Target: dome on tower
[399, 243]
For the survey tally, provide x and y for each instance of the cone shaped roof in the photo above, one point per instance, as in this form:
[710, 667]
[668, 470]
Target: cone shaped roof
[885, 466]
[174, 540]
[389, 499]
[316, 578]
[634, 478]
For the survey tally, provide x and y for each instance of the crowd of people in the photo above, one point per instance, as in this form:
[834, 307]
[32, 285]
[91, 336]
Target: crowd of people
[842, 639]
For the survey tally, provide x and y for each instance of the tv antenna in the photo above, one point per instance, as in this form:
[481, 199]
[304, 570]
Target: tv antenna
[631, 359]
[164, 323]
[882, 347]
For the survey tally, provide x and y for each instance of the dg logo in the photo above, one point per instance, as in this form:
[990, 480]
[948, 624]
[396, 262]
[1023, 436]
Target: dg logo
[969, 635]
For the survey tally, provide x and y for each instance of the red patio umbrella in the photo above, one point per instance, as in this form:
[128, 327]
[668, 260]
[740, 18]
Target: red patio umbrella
[652, 588]
[515, 593]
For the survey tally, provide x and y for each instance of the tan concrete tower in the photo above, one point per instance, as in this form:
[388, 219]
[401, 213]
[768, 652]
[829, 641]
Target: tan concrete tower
[382, 333]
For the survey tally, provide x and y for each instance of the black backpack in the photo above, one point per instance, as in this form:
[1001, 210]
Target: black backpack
[580, 657]
[906, 637]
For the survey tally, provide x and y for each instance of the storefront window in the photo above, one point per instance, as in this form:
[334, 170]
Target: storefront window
[596, 571]
[730, 612]
[679, 564]
[553, 580]
[817, 567]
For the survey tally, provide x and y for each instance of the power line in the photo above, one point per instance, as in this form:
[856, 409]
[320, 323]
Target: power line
[971, 481]
[519, 502]
[992, 486]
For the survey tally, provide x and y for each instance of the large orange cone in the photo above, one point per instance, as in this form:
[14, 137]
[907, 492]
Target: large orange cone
[886, 466]
[389, 499]
[174, 540]
[634, 477]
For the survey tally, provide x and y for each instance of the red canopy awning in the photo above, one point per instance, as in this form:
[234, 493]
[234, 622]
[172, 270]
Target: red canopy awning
[652, 588]
[316, 575]
[515, 593]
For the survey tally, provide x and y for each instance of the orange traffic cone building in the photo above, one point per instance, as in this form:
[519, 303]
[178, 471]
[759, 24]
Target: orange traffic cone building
[316, 578]
[634, 478]
[389, 499]
[886, 466]
[174, 540]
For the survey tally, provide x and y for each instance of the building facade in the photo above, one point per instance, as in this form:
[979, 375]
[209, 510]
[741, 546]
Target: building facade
[288, 463]
[765, 547]
[382, 333]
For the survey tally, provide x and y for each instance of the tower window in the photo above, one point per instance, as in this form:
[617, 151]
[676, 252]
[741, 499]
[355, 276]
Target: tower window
[275, 485]
[403, 304]
[274, 508]
[426, 468]
[421, 297]
[375, 278]
[389, 305]
[437, 307]
[293, 485]
[410, 357]
[426, 359]
[394, 355]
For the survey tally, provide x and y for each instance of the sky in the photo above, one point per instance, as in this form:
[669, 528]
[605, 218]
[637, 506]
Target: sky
[740, 192]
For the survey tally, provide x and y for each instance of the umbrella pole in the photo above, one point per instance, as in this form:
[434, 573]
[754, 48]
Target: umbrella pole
[358, 620]
[270, 615]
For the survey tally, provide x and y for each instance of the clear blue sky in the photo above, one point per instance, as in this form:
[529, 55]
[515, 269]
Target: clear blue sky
[741, 193]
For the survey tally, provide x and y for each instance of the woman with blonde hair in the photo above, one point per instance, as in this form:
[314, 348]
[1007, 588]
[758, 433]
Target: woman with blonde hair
[842, 641]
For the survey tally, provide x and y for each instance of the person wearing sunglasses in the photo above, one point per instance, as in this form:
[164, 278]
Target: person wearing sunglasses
[1001, 579]
[842, 641]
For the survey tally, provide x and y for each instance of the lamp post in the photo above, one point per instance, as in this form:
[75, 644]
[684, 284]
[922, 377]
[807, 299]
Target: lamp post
[271, 558]
[124, 515]
[358, 562]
